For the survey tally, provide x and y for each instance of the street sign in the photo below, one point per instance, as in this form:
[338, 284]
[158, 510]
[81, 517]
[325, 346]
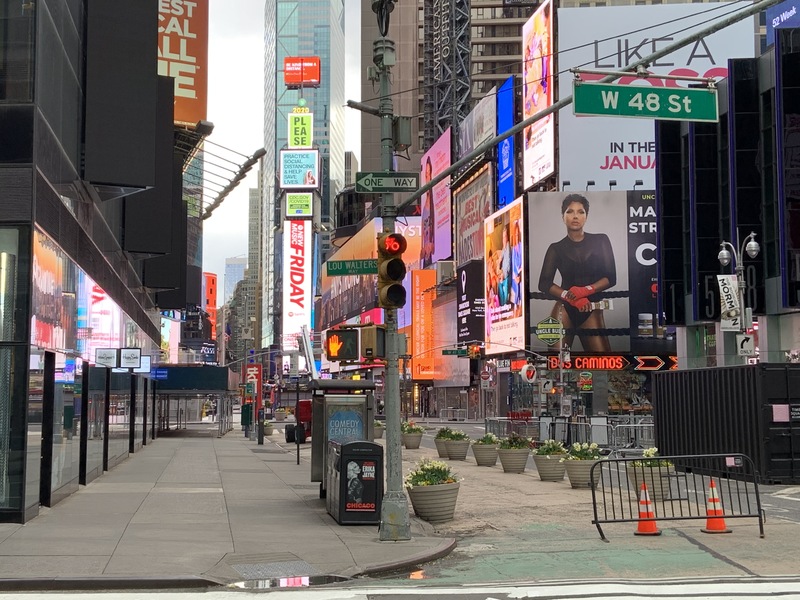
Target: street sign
[485, 375]
[528, 373]
[745, 344]
[367, 266]
[454, 352]
[382, 181]
[670, 104]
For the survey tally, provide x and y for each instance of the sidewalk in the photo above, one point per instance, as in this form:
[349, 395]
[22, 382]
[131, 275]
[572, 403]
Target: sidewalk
[194, 511]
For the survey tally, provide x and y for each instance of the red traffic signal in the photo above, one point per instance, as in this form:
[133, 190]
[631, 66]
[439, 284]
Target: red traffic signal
[391, 270]
[342, 344]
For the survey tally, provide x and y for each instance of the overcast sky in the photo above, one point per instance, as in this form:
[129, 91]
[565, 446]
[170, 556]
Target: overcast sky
[235, 106]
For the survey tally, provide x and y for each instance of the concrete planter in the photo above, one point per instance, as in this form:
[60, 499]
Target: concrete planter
[657, 480]
[269, 429]
[434, 503]
[378, 432]
[441, 447]
[485, 454]
[457, 449]
[280, 416]
[513, 459]
[550, 467]
[411, 440]
[578, 472]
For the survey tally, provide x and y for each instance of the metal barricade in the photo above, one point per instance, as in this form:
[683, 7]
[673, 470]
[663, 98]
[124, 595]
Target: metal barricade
[453, 414]
[679, 488]
[631, 439]
[500, 426]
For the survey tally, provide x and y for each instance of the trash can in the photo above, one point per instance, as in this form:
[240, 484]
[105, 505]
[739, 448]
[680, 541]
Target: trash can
[354, 477]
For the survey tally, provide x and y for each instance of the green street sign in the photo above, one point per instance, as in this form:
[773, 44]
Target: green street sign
[668, 104]
[250, 389]
[367, 266]
[454, 352]
[382, 181]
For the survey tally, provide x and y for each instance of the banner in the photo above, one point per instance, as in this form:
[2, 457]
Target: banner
[437, 222]
[473, 203]
[423, 292]
[730, 313]
[471, 303]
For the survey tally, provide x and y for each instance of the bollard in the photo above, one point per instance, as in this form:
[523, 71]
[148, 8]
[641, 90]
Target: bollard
[260, 432]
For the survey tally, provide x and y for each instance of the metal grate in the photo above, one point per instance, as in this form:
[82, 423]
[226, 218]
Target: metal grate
[293, 568]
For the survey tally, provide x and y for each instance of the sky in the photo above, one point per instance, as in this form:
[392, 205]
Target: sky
[235, 106]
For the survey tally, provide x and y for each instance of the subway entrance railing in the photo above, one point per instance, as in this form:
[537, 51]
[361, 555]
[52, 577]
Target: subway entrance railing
[679, 488]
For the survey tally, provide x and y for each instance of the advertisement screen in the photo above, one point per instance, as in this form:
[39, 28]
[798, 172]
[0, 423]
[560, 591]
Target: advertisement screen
[610, 37]
[299, 169]
[301, 70]
[299, 204]
[538, 158]
[297, 280]
[473, 203]
[423, 288]
[471, 302]
[504, 279]
[479, 125]
[435, 203]
[183, 54]
[505, 149]
[601, 248]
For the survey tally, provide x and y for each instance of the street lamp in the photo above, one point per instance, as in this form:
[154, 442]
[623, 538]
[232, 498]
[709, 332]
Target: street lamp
[749, 245]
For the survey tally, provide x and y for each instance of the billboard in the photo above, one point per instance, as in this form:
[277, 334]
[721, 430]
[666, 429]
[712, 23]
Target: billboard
[471, 302]
[606, 258]
[423, 293]
[299, 169]
[473, 203]
[479, 126]
[610, 37]
[504, 279]
[780, 16]
[301, 71]
[435, 204]
[538, 157]
[299, 204]
[505, 150]
[297, 280]
[183, 54]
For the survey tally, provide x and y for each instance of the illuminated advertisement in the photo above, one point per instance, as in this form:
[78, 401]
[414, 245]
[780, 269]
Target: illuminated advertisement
[479, 125]
[593, 271]
[299, 204]
[504, 279]
[538, 157]
[299, 169]
[183, 54]
[347, 296]
[297, 280]
[210, 300]
[471, 302]
[505, 149]
[301, 71]
[473, 203]
[610, 37]
[435, 204]
[423, 293]
[51, 325]
[451, 370]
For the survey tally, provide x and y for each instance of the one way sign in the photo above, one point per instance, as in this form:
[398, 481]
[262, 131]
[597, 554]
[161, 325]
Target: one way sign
[746, 344]
[386, 181]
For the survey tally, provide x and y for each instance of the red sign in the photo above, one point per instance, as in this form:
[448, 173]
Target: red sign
[485, 375]
[301, 71]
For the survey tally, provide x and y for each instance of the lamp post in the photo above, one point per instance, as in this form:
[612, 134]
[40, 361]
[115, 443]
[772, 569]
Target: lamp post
[749, 245]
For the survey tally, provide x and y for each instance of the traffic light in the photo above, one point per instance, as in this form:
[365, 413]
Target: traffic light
[373, 341]
[391, 270]
[342, 344]
[474, 351]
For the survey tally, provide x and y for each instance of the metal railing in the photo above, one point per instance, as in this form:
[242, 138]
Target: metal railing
[453, 414]
[679, 488]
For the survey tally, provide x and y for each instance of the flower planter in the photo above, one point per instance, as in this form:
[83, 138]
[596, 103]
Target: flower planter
[411, 440]
[269, 429]
[513, 459]
[578, 472]
[280, 416]
[378, 432]
[434, 503]
[656, 479]
[485, 454]
[441, 448]
[550, 467]
[457, 449]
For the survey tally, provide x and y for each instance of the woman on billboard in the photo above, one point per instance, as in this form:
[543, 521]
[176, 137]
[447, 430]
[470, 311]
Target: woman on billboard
[585, 262]
[428, 222]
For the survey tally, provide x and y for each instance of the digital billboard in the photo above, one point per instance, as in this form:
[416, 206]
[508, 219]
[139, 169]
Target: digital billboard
[423, 293]
[479, 126]
[299, 169]
[471, 302]
[473, 203]
[593, 268]
[504, 279]
[505, 149]
[299, 204]
[435, 204]
[183, 55]
[301, 71]
[610, 37]
[297, 280]
[538, 157]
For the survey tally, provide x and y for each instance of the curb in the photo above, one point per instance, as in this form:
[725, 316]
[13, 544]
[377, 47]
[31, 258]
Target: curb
[61, 584]
[443, 549]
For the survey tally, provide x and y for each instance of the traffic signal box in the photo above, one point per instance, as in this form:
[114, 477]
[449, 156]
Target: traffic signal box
[391, 270]
[373, 341]
[474, 351]
[342, 344]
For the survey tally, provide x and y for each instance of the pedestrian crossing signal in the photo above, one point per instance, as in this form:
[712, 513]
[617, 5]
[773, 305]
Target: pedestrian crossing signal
[342, 344]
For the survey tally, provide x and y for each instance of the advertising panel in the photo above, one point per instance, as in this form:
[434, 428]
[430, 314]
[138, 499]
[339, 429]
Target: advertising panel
[479, 125]
[473, 203]
[423, 293]
[436, 219]
[611, 37]
[538, 158]
[599, 250]
[451, 371]
[505, 149]
[297, 280]
[471, 302]
[504, 277]
[300, 132]
[781, 16]
[299, 204]
[301, 71]
[183, 54]
[299, 169]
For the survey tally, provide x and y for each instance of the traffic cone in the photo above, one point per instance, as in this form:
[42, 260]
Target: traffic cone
[714, 523]
[647, 518]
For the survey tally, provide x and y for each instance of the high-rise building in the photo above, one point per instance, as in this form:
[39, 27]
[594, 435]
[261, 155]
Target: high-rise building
[234, 273]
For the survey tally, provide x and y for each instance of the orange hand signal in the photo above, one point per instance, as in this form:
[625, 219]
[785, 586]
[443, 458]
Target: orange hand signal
[334, 345]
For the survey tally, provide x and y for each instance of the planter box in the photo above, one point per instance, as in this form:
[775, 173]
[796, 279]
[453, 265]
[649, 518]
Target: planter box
[411, 440]
[513, 460]
[434, 503]
[378, 432]
[441, 447]
[578, 472]
[457, 449]
[657, 480]
[485, 454]
[550, 468]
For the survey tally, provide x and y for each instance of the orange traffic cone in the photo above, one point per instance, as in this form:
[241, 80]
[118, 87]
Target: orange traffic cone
[714, 523]
[647, 518]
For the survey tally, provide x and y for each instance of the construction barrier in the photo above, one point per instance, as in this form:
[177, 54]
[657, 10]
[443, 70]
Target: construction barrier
[709, 487]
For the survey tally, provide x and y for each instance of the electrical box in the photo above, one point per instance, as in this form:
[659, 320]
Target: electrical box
[373, 341]
[401, 133]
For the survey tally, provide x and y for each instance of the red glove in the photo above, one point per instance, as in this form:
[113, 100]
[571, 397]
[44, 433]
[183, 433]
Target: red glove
[582, 304]
[582, 292]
